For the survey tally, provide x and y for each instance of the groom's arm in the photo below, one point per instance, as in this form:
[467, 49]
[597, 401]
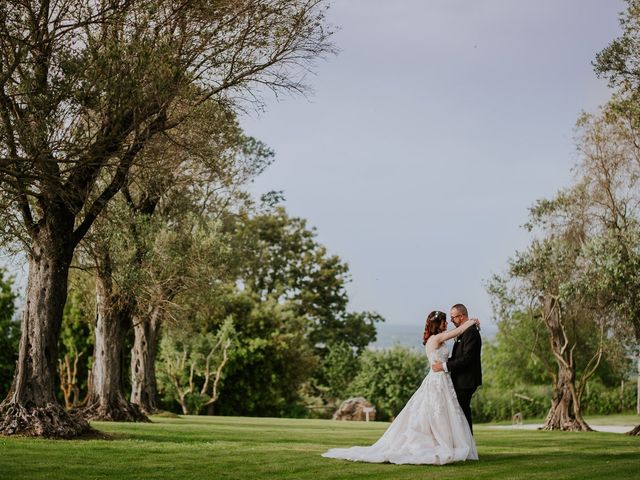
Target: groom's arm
[469, 354]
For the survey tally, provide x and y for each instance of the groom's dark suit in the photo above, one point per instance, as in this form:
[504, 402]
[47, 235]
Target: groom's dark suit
[464, 366]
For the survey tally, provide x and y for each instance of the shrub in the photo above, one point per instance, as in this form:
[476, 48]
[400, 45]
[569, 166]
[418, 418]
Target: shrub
[494, 404]
[601, 400]
[388, 378]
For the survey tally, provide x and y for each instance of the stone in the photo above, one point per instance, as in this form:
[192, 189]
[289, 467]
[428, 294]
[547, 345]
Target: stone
[357, 409]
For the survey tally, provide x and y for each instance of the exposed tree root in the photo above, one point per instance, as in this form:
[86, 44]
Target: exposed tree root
[121, 411]
[560, 419]
[50, 421]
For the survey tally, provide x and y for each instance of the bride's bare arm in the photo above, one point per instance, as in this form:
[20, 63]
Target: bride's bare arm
[444, 336]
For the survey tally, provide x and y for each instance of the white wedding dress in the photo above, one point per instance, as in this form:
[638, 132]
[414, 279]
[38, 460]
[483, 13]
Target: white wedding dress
[430, 429]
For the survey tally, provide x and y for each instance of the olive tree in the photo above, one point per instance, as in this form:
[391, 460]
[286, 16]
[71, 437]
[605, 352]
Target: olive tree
[581, 272]
[84, 86]
[200, 167]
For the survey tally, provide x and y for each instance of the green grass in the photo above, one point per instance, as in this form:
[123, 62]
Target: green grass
[253, 448]
[629, 419]
[626, 419]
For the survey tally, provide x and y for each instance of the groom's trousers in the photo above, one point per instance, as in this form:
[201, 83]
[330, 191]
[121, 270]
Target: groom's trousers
[464, 399]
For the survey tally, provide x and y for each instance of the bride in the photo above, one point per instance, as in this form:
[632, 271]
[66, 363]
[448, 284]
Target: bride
[431, 428]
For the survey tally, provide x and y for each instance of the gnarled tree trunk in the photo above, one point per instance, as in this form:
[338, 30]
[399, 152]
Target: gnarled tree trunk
[565, 406]
[144, 389]
[564, 413]
[636, 431]
[31, 407]
[107, 401]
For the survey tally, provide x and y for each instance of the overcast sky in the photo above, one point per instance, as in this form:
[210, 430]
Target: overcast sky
[429, 136]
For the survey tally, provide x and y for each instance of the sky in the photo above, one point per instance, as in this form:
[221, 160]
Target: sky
[429, 136]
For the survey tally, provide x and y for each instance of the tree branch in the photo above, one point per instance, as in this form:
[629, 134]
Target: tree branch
[118, 179]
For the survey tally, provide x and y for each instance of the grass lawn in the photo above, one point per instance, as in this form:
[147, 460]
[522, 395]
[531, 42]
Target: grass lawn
[253, 448]
[627, 419]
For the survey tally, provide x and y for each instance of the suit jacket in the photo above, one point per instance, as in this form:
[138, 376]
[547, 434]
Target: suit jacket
[464, 363]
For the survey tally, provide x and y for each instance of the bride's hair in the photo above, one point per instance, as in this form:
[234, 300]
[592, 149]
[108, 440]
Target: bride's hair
[433, 325]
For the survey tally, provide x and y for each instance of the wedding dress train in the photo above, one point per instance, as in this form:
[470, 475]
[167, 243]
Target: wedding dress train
[430, 429]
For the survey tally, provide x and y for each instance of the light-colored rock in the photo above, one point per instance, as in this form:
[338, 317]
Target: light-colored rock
[356, 409]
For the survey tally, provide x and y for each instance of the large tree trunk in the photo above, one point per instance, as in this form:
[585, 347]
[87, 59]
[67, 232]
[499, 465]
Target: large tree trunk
[636, 431]
[144, 390]
[31, 407]
[107, 401]
[564, 413]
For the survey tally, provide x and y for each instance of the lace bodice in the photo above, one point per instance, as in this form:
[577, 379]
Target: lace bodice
[440, 354]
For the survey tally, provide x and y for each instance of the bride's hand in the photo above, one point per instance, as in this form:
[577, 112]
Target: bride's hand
[473, 322]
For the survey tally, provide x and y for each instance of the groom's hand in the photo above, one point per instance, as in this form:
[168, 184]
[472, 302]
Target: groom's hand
[437, 367]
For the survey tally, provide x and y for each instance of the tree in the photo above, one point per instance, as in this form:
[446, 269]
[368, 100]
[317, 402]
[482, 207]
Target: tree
[199, 170]
[545, 280]
[267, 272]
[582, 275]
[192, 365]
[611, 174]
[214, 159]
[114, 311]
[9, 332]
[188, 259]
[83, 89]
[520, 354]
[284, 260]
[272, 361]
[619, 64]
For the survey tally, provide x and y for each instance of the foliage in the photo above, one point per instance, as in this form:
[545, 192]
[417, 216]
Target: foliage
[491, 404]
[601, 399]
[75, 347]
[581, 272]
[192, 365]
[388, 378]
[85, 88]
[613, 169]
[618, 62]
[9, 332]
[285, 261]
[273, 358]
[520, 354]
[171, 209]
[284, 293]
[110, 77]
[278, 282]
[339, 368]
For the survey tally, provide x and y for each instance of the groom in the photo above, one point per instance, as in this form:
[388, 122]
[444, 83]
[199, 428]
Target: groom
[464, 363]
